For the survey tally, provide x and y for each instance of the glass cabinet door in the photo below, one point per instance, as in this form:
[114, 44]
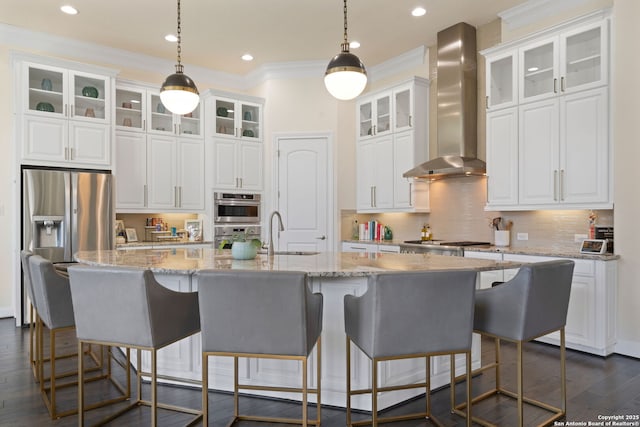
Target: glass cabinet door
[383, 115]
[250, 121]
[89, 97]
[191, 123]
[583, 59]
[501, 81]
[538, 68]
[160, 118]
[129, 109]
[225, 117]
[46, 90]
[365, 119]
[403, 101]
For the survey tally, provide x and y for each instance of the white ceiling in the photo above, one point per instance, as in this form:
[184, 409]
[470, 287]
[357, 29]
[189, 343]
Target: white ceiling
[216, 33]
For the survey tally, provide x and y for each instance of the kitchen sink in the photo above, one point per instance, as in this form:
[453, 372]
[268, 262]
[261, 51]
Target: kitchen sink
[263, 252]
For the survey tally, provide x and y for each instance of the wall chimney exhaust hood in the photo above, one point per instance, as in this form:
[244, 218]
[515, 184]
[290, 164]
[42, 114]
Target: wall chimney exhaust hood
[457, 108]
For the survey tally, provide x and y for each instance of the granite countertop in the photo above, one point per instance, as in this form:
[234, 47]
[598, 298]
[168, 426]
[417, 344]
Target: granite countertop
[552, 251]
[168, 242]
[323, 264]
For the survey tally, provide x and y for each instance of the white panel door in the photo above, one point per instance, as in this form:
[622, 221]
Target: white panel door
[225, 175]
[191, 174]
[250, 166]
[45, 139]
[502, 157]
[89, 143]
[538, 153]
[131, 170]
[383, 172]
[303, 183]
[584, 155]
[403, 160]
[161, 171]
[365, 175]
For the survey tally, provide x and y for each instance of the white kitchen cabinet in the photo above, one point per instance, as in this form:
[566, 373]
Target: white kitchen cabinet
[564, 150]
[131, 170]
[560, 155]
[235, 127]
[398, 141]
[66, 116]
[163, 122]
[487, 278]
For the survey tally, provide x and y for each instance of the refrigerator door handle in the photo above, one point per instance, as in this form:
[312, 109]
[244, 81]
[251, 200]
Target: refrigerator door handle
[70, 220]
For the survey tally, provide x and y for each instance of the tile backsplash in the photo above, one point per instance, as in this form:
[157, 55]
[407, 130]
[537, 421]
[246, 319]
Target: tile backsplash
[457, 213]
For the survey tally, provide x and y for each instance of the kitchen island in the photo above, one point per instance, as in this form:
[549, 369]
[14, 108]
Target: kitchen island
[334, 274]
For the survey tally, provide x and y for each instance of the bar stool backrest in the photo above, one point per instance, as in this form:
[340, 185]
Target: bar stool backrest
[127, 306]
[26, 274]
[413, 313]
[51, 293]
[258, 312]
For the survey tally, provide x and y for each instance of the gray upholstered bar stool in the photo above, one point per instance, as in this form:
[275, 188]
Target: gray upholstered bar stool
[33, 313]
[127, 307]
[260, 315]
[532, 304]
[52, 299]
[409, 315]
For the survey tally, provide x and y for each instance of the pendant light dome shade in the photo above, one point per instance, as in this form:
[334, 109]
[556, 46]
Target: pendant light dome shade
[179, 93]
[346, 76]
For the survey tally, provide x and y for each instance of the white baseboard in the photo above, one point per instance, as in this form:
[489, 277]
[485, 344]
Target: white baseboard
[6, 312]
[628, 348]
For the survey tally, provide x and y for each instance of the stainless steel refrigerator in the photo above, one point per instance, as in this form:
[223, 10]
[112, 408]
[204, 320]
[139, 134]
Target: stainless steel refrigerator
[65, 211]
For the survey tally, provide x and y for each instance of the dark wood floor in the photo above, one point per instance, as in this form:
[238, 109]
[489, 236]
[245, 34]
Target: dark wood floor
[596, 386]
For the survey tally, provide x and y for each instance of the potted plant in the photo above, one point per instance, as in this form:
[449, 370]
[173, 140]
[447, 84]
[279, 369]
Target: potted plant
[243, 248]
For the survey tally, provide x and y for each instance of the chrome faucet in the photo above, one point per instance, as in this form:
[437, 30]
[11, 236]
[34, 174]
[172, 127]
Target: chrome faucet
[270, 250]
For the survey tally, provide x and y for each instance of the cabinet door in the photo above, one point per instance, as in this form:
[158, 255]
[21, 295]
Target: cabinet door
[538, 153]
[382, 117]
[90, 97]
[191, 124]
[130, 108]
[46, 90]
[403, 108]
[383, 172]
[538, 68]
[584, 154]
[365, 118]
[250, 121]
[225, 159]
[250, 166]
[501, 81]
[160, 119]
[225, 114]
[365, 178]
[45, 139]
[191, 174]
[161, 172]
[89, 143]
[131, 170]
[403, 160]
[502, 157]
[584, 58]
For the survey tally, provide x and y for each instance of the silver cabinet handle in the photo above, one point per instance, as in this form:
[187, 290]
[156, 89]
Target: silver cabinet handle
[70, 153]
[555, 85]
[241, 183]
[146, 195]
[375, 129]
[180, 193]
[562, 84]
[555, 185]
[321, 238]
[562, 185]
[72, 113]
[144, 125]
[486, 102]
[410, 201]
[410, 120]
[66, 153]
[65, 110]
[375, 197]
[175, 197]
[371, 196]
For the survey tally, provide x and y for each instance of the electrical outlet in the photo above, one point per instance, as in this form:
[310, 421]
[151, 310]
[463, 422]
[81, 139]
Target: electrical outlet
[579, 237]
[522, 236]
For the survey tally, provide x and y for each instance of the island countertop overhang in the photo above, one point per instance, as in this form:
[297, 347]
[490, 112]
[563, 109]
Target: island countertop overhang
[324, 264]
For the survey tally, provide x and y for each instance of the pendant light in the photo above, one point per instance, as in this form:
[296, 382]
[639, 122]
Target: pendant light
[178, 92]
[346, 76]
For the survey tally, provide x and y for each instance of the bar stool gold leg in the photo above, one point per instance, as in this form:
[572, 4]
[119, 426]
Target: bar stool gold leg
[374, 393]
[205, 390]
[348, 346]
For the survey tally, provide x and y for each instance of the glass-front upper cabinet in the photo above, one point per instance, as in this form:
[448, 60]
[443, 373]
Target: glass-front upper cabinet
[374, 115]
[501, 81]
[130, 108]
[539, 70]
[584, 57]
[58, 92]
[403, 112]
[161, 120]
[238, 119]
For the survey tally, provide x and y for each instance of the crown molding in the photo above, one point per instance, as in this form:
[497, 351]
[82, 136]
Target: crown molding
[20, 38]
[535, 10]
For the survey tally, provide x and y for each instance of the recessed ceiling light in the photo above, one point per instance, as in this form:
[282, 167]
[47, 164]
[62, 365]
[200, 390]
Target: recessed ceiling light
[418, 11]
[171, 38]
[247, 57]
[354, 44]
[69, 10]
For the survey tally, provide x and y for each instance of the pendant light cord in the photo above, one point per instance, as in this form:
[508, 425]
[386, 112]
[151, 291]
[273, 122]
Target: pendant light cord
[179, 67]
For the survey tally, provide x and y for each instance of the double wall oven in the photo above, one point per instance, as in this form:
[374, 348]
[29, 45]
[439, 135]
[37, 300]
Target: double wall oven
[236, 214]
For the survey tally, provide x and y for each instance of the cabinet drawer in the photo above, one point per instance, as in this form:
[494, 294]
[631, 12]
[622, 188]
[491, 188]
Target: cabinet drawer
[584, 267]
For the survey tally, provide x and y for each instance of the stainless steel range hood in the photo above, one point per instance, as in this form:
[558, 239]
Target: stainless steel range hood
[457, 108]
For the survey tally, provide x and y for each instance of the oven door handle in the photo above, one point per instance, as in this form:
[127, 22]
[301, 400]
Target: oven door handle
[236, 203]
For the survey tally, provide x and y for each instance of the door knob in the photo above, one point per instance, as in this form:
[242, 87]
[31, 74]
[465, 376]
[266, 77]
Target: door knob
[321, 238]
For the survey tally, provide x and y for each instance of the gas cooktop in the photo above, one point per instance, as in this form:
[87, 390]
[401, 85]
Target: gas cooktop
[447, 243]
